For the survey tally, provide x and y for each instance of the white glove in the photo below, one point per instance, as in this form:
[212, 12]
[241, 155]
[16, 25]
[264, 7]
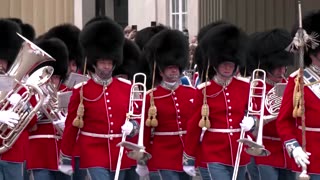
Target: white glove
[60, 122]
[127, 128]
[14, 99]
[46, 100]
[300, 157]
[247, 123]
[10, 118]
[66, 169]
[142, 170]
[190, 170]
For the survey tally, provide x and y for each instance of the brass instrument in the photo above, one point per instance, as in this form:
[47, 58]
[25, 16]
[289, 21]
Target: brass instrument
[192, 68]
[273, 102]
[29, 57]
[137, 95]
[255, 148]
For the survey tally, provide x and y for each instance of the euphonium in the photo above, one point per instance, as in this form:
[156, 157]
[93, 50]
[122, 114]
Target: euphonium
[22, 107]
[29, 57]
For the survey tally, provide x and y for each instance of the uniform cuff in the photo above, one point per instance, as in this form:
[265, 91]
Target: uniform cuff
[64, 159]
[291, 145]
[135, 129]
[188, 160]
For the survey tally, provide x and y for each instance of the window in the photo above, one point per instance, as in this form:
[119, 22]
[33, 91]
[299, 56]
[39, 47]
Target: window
[178, 14]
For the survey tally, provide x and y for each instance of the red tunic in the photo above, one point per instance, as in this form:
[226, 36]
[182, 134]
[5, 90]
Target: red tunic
[287, 126]
[44, 145]
[104, 114]
[271, 140]
[174, 109]
[227, 108]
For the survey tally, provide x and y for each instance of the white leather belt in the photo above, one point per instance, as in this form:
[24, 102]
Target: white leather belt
[311, 129]
[224, 130]
[101, 135]
[170, 133]
[44, 136]
[271, 138]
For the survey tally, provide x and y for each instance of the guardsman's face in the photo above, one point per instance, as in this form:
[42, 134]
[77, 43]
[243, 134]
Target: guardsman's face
[72, 67]
[226, 69]
[56, 79]
[278, 72]
[3, 66]
[104, 68]
[170, 73]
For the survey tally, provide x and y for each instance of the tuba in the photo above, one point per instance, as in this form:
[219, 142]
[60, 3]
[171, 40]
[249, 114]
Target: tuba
[28, 58]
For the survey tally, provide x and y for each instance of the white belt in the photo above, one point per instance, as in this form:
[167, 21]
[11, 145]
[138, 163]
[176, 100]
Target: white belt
[311, 129]
[43, 136]
[107, 136]
[271, 138]
[224, 130]
[170, 133]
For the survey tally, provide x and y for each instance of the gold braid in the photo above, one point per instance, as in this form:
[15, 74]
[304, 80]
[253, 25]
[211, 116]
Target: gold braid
[152, 111]
[204, 121]
[78, 121]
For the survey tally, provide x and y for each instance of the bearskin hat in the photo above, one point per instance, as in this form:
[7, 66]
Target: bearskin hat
[69, 34]
[225, 42]
[102, 38]
[10, 41]
[59, 51]
[130, 64]
[310, 23]
[168, 47]
[267, 49]
[199, 57]
[144, 35]
[27, 30]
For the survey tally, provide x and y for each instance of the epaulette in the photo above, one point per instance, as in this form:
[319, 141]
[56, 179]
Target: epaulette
[243, 79]
[202, 85]
[189, 86]
[124, 80]
[149, 91]
[77, 86]
[295, 73]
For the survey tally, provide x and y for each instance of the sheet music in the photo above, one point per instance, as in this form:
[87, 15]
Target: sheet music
[75, 78]
[64, 99]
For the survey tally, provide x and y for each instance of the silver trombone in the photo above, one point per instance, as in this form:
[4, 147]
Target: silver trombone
[137, 96]
[256, 91]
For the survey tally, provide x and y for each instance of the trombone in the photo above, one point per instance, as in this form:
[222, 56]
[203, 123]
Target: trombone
[255, 92]
[137, 96]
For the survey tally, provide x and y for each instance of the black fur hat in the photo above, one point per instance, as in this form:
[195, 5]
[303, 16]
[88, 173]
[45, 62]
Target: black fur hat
[310, 23]
[168, 47]
[144, 35]
[225, 42]
[130, 65]
[27, 30]
[268, 49]
[10, 41]
[102, 38]
[69, 34]
[59, 51]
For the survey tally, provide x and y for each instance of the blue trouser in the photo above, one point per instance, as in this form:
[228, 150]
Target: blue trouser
[41, 174]
[204, 173]
[219, 171]
[106, 174]
[253, 170]
[154, 176]
[272, 173]
[131, 174]
[314, 176]
[78, 174]
[11, 171]
[174, 175]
